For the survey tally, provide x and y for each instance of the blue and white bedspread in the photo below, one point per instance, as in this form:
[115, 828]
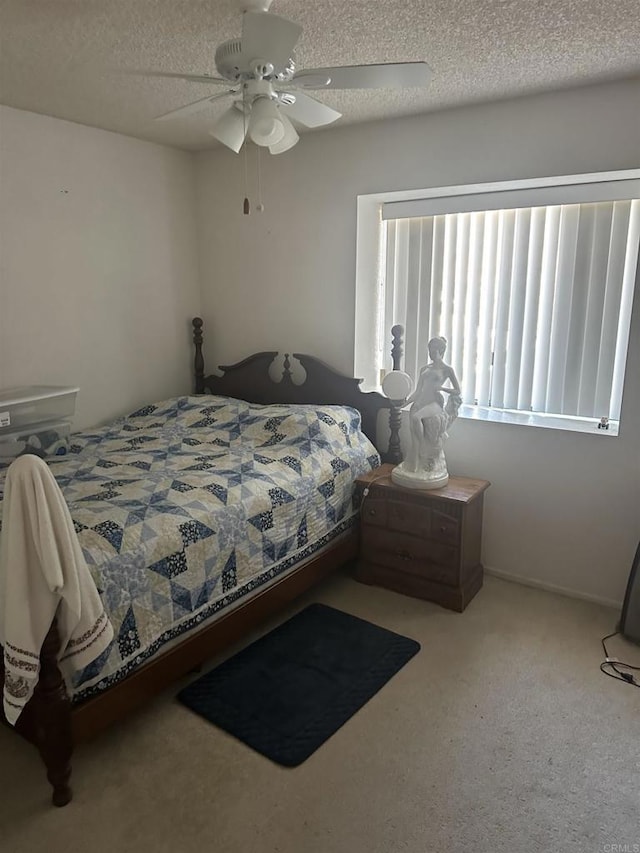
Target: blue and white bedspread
[187, 505]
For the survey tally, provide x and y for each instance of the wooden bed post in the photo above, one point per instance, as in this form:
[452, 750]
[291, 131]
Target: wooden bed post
[198, 362]
[45, 720]
[52, 720]
[394, 455]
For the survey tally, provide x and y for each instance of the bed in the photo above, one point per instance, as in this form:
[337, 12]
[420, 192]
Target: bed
[199, 517]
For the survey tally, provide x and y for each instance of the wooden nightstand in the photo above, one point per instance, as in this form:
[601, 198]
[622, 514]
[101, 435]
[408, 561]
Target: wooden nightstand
[422, 543]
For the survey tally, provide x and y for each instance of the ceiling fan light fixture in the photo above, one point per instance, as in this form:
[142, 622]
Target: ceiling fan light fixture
[259, 71]
[288, 140]
[266, 127]
[230, 129]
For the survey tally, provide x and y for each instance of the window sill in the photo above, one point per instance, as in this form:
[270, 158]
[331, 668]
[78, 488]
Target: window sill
[568, 423]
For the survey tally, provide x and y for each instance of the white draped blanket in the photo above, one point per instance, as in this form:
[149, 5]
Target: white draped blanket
[43, 573]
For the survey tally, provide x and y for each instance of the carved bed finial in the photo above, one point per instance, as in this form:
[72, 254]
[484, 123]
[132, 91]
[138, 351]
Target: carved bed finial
[198, 362]
[397, 351]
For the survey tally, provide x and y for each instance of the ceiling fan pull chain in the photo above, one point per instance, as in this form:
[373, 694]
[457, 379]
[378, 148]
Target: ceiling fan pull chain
[246, 208]
[259, 205]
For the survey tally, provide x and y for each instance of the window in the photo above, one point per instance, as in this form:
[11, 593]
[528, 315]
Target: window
[531, 286]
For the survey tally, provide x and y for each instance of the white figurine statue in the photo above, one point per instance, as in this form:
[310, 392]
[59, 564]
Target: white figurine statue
[429, 418]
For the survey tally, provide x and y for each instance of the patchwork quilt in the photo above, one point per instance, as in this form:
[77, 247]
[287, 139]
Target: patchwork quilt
[187, 505]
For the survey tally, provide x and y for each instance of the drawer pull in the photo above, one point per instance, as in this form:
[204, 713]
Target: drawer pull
[372, 512]
[443, 529]
[404, 555]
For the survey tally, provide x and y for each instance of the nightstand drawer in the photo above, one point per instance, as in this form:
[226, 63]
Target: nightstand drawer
[409, 518]
[445, 528]
[411, 555]
[374, 511]
[448, 595]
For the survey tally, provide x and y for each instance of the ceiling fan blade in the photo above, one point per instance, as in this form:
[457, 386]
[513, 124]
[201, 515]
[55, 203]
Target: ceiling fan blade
[288, 140]
[194, 107]
[392, 75]
[269, 37]
[309, 112]
[193, 78]
[231, 129]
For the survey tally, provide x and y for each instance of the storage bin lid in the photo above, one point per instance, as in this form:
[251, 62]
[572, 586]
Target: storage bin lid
[33, 394]
[33, 404]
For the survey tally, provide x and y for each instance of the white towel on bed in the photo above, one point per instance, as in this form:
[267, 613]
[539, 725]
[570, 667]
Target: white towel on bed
[43, 573]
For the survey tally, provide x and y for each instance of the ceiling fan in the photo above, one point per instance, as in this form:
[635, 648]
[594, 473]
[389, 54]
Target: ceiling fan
[267, 91]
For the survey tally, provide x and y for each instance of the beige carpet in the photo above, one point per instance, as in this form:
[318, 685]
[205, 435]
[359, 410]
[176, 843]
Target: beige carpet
[500, 735]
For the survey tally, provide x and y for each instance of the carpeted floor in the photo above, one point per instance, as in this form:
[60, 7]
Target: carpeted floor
[500, 735]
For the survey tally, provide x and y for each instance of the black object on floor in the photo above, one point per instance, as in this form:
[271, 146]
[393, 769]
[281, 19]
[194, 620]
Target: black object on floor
[288, 692]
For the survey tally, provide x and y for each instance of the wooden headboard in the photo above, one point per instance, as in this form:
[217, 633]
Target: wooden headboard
[250, 380]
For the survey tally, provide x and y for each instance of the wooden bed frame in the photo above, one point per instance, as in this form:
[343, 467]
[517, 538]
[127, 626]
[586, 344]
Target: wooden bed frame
[51, 722]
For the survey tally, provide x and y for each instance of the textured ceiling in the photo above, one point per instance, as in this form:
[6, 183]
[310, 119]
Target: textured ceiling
[66, 58]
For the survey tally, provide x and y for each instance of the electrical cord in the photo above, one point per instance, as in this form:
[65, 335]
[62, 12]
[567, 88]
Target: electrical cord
[367, 488]
[613, 663]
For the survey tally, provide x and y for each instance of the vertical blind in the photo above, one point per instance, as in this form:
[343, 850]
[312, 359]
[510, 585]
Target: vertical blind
[535, 303]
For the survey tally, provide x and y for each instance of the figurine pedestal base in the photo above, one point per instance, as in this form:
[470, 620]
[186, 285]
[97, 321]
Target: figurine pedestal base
[416, 480]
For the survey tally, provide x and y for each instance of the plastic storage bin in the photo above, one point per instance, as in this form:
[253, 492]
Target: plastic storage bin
[42, 440]
[32, 405]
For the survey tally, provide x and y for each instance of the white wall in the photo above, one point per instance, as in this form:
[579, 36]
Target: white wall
[564, 509]
[98, 264]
